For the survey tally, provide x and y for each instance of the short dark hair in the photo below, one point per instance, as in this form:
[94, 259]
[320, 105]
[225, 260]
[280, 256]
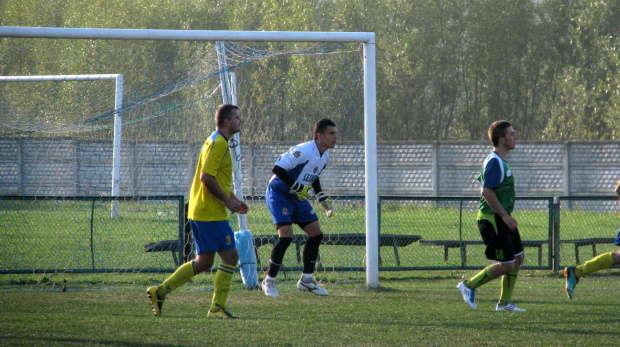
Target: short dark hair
[497, 130]
[224, 111]
[321, 126]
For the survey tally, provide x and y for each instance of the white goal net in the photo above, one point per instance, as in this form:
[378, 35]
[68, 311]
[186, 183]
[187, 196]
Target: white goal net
[57, 140]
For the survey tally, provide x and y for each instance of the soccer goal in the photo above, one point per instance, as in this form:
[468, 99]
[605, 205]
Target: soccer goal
[173, 80]
[118, 105]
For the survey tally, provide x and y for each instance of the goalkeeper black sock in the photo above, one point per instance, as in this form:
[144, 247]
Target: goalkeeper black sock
[311, 253]
[277, 254]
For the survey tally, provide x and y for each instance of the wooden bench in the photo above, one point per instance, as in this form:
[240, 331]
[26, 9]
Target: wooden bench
[588, 242]
[462, 244]
[393, 240]
[173, 246]
[165, 246]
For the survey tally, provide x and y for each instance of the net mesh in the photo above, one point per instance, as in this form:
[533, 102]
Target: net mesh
[56, 140]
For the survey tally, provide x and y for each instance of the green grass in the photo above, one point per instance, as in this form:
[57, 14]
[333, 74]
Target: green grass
[409, 308]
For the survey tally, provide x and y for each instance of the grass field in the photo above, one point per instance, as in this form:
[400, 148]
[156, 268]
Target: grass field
[410, 308]
[416, 307]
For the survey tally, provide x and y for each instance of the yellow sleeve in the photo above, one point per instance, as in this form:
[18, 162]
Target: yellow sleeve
[215, 156]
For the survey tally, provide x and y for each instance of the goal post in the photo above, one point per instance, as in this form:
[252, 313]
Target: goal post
[367, 39]
[243, 237]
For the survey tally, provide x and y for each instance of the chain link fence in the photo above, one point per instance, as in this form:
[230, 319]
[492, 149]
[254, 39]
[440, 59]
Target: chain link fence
[586, 227]
[58, 236]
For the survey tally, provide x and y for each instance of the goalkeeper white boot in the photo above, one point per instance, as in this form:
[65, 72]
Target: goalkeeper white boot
[269, 287]
[308, 284]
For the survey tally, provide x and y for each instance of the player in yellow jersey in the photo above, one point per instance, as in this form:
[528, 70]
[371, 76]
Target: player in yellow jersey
[600, 262]
[211, 194]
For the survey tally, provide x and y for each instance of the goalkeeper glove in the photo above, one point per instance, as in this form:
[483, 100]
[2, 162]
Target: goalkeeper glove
[326, 203]
[301, 190]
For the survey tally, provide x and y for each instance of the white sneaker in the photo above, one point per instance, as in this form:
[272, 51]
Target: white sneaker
[469, 295]
[310, 285]
[509, 307]
[269, 287]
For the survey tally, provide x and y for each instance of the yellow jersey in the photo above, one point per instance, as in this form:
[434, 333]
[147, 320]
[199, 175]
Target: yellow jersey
[214, 160]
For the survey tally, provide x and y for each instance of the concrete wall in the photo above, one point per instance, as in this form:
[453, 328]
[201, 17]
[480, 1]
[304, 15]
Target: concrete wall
[71, 167]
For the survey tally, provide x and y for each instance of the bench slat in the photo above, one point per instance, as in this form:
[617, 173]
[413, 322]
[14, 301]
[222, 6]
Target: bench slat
[346, 239]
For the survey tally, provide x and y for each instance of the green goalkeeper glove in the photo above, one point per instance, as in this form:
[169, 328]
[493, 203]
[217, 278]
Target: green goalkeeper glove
[303, 192]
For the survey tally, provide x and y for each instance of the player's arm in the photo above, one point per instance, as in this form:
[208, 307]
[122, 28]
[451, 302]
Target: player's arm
[243, 207]
[324, 200]
[234, 205]
[316, 186]
[300, 189]
[491, 199]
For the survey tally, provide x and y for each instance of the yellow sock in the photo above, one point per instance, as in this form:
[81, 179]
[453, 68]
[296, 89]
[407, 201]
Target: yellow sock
[221, 286]
[483, 277]
[183, 274]
[595, 264]
[508, 285]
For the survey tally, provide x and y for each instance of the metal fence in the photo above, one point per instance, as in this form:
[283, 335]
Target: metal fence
[77, 235]
[449, 236]
[556, 232]
[585, 227]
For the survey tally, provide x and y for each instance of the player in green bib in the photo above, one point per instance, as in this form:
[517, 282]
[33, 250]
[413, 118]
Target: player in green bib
[497, 227]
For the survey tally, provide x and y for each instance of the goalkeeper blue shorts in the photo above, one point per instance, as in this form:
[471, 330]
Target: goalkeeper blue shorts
[617, 243]
[212, 236]
[287, 208]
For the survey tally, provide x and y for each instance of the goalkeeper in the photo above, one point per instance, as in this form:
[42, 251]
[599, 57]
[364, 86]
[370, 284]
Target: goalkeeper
[296, 175]
[600, 262]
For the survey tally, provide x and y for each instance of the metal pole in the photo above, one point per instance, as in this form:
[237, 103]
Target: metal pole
[116, 151]
[370, 137]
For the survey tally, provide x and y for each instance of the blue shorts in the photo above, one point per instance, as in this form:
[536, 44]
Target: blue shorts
[617, 243]
[212, 236]
[287, 208]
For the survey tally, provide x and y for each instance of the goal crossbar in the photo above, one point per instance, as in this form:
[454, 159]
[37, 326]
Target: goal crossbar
[198, 35]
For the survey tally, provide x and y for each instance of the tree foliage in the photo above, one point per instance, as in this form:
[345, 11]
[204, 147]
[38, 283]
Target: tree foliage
[445, 68]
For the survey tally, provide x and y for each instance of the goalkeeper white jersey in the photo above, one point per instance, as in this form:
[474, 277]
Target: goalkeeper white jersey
[303, 163]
